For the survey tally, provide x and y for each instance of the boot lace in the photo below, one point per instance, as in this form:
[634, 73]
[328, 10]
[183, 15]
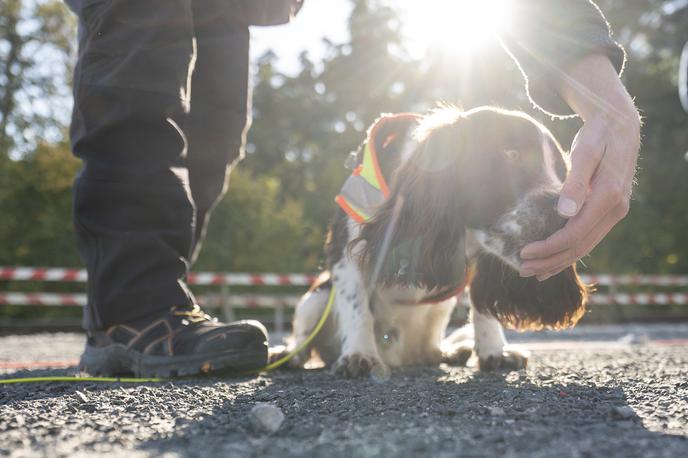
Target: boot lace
[193, 315]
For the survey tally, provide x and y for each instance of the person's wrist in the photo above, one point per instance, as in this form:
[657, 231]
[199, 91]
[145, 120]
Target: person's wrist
[612, 129]
[593, 89]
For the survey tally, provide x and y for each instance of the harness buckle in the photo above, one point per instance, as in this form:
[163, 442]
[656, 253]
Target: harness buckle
[351, 160]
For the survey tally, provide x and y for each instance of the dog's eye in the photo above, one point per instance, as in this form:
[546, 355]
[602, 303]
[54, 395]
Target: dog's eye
[512, 154]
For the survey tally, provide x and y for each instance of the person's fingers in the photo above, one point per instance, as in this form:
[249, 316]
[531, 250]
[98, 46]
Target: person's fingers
[588, 245]
[568, 258]
[548, 267]
[586, 153]
[600, 202]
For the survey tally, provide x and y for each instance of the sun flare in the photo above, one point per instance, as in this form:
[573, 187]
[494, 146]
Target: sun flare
[452, 26]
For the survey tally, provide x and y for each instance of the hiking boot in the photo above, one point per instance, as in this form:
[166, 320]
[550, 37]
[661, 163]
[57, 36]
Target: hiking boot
[177, 342]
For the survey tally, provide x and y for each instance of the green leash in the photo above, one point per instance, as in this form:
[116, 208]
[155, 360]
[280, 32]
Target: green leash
[269, 367]
[80, 379]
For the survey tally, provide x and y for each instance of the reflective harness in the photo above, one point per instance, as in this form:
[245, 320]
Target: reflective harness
[366, 189]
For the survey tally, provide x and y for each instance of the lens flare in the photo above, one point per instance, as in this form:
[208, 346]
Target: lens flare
[452, 26]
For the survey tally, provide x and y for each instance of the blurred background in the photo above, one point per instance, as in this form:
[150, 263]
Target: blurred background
[318, 83]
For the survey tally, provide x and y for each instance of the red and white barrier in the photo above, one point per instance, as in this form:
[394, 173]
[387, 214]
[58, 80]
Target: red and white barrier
[240, 279]
[278, 301]
[636, 280]
[298, 279]
[41, 274]
[270, 301]
[195, 278]
[53, 299]
[303, 280]
[640, 299]
[237, 300]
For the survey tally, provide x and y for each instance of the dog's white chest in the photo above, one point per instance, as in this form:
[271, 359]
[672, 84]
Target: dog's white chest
[407, 332]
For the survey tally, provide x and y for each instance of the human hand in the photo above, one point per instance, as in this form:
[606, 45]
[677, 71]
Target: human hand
[596, 194]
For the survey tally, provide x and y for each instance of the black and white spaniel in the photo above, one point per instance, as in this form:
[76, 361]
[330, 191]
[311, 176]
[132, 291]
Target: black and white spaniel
[437, 203]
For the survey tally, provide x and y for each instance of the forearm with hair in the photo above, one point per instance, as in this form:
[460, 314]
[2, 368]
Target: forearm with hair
[548, 37]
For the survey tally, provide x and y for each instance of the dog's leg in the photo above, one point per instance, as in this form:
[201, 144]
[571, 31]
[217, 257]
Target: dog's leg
[308, 312]
[491, 346]
[431, 326]
[360, 355]
[458, 347]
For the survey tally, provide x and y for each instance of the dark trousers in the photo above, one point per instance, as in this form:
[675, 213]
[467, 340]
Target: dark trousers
[160, 115]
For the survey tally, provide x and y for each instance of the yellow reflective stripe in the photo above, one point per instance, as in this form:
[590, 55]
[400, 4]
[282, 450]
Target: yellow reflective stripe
[368, 169]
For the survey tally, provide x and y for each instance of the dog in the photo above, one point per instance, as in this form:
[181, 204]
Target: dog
[438, 204]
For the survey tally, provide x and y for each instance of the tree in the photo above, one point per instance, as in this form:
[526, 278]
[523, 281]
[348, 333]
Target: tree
[36, 45]
[256, 228]
[36, 203]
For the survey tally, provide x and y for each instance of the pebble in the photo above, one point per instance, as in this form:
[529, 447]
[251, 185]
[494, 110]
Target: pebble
[88, 407]
[380, 374]
[266, 417]
[80, 396]
[621, 413]
[496, 411]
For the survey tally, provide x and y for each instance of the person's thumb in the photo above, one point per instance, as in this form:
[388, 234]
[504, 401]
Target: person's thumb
[585, 157]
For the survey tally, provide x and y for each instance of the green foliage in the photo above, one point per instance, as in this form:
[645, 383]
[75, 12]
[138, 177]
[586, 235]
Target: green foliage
[257, 228]
[36, 206]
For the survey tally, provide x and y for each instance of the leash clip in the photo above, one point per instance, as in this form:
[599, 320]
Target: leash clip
[351, 160]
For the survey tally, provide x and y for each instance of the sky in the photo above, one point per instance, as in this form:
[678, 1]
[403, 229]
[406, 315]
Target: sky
[460, 25]
[318, 19]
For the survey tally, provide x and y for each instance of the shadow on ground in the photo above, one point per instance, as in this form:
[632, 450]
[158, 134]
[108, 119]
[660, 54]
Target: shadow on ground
[605, 402]
[422, 412]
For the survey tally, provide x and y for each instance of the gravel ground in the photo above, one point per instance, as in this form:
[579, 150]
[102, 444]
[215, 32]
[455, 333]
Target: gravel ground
[621, 392]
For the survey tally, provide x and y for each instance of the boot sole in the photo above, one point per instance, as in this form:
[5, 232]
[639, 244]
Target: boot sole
[117, 359]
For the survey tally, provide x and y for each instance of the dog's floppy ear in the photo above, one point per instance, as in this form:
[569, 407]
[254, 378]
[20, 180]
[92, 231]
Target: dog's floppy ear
[388, 136]
[525, 303]
[416, 237]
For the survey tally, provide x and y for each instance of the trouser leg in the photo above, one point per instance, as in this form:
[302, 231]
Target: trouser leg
[219, 105]
[133, 210]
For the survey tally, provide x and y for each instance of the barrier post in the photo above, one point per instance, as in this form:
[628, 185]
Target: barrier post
[613, 289]
[227, 309]
[279, 319]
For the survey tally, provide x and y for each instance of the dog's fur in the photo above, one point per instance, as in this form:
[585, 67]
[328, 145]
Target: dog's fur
[470, 191]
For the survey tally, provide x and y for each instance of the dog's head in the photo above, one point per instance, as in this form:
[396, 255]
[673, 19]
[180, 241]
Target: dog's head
[478, 187]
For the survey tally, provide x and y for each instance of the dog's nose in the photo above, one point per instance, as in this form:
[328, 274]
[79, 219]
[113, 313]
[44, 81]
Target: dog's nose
[547, 202]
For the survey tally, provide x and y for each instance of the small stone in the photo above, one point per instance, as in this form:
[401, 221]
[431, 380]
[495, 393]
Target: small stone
[380, 373]
[80, 396]
[88, 407]
[621, 413]
[496, 411]
[266, 417]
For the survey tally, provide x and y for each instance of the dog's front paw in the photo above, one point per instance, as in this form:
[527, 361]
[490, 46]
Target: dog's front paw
[511, 359]
[457, 355]
[360, 365]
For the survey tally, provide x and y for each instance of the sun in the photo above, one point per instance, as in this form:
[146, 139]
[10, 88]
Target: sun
[452, 26]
